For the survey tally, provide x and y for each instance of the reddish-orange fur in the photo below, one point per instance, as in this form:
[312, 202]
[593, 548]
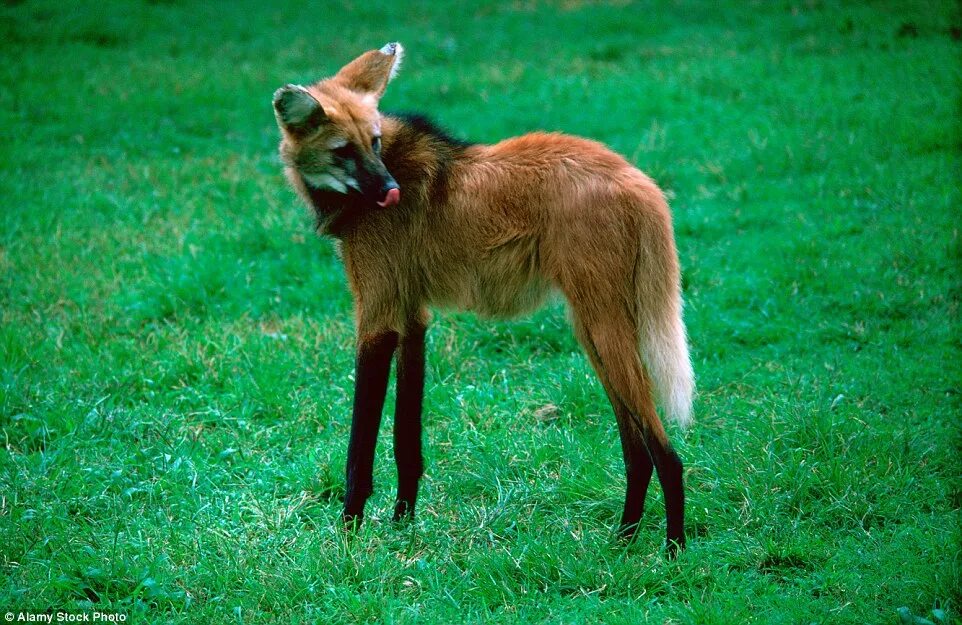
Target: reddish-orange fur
[494, 228]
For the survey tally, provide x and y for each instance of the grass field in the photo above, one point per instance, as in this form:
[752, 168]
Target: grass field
[176, 344]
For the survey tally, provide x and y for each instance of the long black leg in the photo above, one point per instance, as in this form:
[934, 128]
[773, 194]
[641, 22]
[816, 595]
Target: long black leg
[638, 470]
[407, 419]
[629, 390]
[669, 469]
[370, 385]
[638, 465]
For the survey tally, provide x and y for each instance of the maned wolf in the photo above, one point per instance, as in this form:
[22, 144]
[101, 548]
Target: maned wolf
[424, 219]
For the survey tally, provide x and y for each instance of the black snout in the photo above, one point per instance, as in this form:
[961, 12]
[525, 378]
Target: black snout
[377, 183]
[388, 184]
[390, 193]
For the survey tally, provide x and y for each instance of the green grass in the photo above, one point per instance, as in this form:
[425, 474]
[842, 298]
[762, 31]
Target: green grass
[176, 345]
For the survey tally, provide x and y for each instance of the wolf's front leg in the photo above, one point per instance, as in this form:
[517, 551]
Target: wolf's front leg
[374, 352]
[407, 417]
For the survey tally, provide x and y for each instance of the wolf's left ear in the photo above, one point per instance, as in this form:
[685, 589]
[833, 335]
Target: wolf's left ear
[372, 71]
[296, 109]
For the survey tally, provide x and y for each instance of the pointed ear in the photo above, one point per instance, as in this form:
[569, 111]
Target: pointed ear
[372, 71]
[297, 110]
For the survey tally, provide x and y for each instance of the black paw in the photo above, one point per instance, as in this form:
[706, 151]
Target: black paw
[352, 521]
[403, 511]
[628, 529]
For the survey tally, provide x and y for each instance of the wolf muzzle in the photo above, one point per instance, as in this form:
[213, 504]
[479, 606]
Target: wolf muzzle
[390, 194]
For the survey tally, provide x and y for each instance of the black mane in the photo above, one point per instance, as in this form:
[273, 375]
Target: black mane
[441, 149]
[423, 125]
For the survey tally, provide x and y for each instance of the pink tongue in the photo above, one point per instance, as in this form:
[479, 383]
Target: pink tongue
[392, 198]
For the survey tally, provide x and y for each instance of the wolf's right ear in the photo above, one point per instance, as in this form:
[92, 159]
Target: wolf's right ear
[296, 109]
[373, 70]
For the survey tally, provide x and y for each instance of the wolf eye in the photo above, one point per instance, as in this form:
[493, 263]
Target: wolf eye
[376, 144]
[345, 151]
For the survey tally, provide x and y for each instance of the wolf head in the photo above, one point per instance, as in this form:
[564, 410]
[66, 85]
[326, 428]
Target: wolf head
[332, 129]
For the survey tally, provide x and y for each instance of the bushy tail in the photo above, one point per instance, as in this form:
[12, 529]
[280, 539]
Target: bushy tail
[664, 349]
